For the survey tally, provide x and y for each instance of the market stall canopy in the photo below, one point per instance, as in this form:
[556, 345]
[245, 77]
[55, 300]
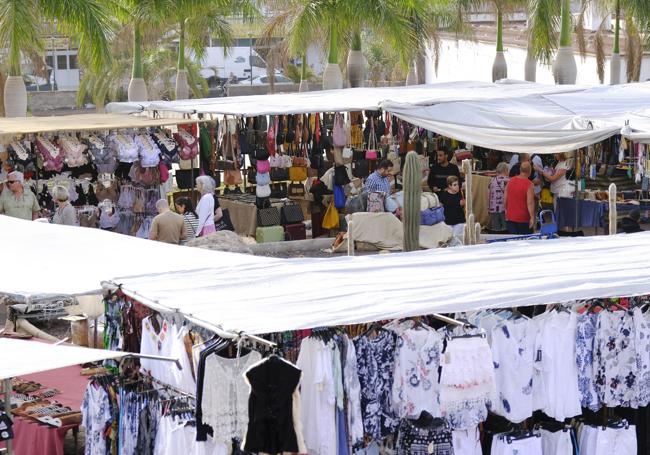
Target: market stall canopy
[82, 122]
[350, 99]
[50, 259]
[538, 123]
[20, 357]
[306, 293]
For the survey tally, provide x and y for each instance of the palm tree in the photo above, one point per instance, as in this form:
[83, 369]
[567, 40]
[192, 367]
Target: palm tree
[339, 23]
[546, 17]
[158, 68]
[502, 8]
[195, 18]
[636, 14]
[21, 23]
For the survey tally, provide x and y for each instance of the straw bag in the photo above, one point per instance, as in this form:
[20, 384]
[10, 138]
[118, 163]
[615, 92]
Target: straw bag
[331, 218]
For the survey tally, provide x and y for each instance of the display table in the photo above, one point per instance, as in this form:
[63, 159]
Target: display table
[243, 214]
[592, 213]
[31, 437]
[480, 184]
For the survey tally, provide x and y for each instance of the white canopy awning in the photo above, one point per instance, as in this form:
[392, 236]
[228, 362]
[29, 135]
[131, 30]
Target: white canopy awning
[304, 293]
[20, 357]
[351, 99]
[45, 259]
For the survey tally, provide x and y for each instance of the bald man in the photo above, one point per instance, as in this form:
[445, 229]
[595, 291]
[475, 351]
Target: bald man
[167, 226]
[520, 202]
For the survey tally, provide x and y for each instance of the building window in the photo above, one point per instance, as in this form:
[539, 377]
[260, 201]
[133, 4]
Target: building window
[62, 62]
[73, 62]
[49, 61]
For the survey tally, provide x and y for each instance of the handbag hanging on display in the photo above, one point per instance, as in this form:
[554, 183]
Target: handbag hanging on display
[361, 168]
[331, 217]
[297, 173]
[371, 151]
[231, 176]
[251, 175]
[296, 190]
[339, 134]
[263, 166]
[341, 176]
[279, 174]
[263, 191]
[268, 217]
[339, 197]
[279, 190]
[291, 213]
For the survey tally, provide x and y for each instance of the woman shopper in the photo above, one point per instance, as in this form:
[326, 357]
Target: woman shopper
[65, 213]
[560, 185]
[205, 208]
[185, 208]
[454, 203]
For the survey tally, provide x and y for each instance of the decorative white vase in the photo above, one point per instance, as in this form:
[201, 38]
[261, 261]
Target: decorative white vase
[15, 97]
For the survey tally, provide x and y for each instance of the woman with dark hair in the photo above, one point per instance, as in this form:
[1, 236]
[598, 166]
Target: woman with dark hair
[185, 208]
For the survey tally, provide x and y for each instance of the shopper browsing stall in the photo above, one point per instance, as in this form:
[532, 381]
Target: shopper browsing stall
[496, 196]
[205, 209]
[65, 213]
[16, 202]
[453, 201]
[520, 202]
[167, 226]
[378, 182]
[185, 208]
[560, 185]
[439, 172]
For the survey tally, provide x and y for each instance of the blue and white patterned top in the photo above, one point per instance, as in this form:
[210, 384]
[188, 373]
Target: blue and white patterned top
[615, 358]
[377, 183]
[585, 336]
[375, 364]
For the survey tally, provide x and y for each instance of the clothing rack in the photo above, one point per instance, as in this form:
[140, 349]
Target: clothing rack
[449, 320]
[236, 336]
[131, 355]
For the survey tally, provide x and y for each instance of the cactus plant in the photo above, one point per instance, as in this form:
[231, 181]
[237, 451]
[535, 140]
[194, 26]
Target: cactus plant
[477, 233]
[612, 209]
[469, 237]
[412, 192]
[467, 170]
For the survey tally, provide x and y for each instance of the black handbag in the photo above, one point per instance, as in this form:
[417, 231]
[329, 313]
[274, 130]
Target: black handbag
[186, 178]
[361, 168]
[316, 160]
[358, 155]
[251, 175]
[263, 202]
[279, 174]
[268, 217]
[225, 223]
[291, 213]
[341, 176]
[260, 153]
[226, 165]
[279, 190]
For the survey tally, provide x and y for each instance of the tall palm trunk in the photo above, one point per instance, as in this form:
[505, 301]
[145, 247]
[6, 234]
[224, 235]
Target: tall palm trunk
[15, 93]
[565, 70]
[356, 63]
[182, 91]
[332, 76]
[304, 83]
[137, 87]
[412, 75]
[499, 67]
[530, 66]
[615, 64]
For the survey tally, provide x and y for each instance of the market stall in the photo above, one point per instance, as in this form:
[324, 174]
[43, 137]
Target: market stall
[44, 375]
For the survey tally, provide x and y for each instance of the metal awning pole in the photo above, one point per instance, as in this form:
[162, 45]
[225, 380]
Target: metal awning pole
[7, 394]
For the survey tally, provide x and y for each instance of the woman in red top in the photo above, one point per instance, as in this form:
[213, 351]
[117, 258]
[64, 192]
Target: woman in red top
[520, 202]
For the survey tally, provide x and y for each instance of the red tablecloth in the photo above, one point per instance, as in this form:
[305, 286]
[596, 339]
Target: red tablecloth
[31, 438]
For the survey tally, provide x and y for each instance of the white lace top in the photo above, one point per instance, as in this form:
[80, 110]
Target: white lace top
[225, 395]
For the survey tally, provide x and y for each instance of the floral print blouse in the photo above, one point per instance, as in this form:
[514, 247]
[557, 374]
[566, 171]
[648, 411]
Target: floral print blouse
[585, 337]
[375, 365]
[615, 357]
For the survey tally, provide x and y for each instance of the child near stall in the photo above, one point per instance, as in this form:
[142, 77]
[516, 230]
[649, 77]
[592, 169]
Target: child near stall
[454, 202]
[496, 199]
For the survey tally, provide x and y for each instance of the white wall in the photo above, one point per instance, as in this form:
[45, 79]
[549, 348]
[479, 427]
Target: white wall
[465, 60]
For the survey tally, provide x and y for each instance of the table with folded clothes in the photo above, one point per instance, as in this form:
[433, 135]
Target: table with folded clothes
[242, 209]
[591, 213]
[45, 406]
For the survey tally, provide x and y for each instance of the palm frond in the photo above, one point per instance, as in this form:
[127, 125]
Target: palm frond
[20, 24]
[633, 50]
[91, 20]
[599, 47]
[543, 28]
